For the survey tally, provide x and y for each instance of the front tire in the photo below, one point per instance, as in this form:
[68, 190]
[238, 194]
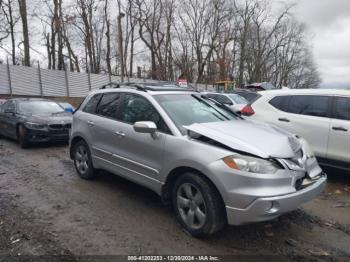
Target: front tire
[21, 137]
[197, 205]
[82, 161]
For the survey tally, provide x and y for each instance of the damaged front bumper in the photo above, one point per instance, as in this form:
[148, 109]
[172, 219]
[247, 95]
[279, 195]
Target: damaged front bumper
[267, 208]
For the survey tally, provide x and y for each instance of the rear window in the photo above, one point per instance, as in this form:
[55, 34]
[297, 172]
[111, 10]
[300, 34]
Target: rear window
[251, 97]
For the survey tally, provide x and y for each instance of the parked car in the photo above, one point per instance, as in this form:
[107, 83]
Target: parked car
[322, 117]
[260, 86]
[2, 101]
[30, 120]
[212, 165]
[250, 96]
[66, 106]
[234, 101]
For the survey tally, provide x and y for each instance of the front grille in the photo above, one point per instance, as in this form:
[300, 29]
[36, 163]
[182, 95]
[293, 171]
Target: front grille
[60, 126]
[56, 126]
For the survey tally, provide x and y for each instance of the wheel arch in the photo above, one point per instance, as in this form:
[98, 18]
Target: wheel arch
[175, 173]
[73, 142]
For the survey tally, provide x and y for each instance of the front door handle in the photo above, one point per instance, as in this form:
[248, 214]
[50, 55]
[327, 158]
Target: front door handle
[339, 128]
[119, 133]
[284, 120]
[91, 123]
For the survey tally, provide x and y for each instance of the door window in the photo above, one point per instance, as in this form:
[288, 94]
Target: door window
[109, 105]
[279, 102]
[342, 108]
[136, 108]
[9, 106]
[91, 105]
[309, 105]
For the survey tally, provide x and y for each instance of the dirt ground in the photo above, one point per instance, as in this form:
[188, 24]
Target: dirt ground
[48, 213]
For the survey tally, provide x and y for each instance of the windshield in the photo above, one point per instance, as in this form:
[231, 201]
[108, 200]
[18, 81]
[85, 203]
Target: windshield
[186, 109]
[238, 99]
[39, 107]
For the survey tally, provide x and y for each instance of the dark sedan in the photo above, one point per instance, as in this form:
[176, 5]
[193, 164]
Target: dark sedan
[32, 121]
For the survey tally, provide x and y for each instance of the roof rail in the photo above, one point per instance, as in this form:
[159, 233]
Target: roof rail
[110, 85]
[149, 86]
[118, 85]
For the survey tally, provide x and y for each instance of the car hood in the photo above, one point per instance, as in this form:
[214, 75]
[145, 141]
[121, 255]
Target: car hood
[62, 118]
[247, 136]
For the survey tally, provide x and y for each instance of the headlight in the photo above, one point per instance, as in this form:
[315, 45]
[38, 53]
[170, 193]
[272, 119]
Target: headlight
[35, 125]
[251, 164]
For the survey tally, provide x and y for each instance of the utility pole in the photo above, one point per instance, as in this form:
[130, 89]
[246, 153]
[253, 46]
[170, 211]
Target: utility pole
[120, 44]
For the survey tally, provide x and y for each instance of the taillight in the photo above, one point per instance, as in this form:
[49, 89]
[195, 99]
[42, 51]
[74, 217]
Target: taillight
[247, 111]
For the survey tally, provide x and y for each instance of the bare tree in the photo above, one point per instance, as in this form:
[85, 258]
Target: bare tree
[11, 19]
[108, 37]
[23, 13]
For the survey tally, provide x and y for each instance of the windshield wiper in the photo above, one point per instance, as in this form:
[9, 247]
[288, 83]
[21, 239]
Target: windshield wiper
[221, 105]
[202, 100]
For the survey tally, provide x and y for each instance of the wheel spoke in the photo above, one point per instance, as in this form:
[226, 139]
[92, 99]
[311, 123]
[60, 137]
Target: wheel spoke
[190, 218]
[200, 215]
[183, 202]
[188, 191]
[78, 156]
[198, 198]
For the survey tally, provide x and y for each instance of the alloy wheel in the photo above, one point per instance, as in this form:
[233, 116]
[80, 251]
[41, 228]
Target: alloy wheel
[191, 206]
[82, 159]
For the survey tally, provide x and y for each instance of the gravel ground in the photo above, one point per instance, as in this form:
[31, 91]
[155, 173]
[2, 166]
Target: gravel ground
[48, 213]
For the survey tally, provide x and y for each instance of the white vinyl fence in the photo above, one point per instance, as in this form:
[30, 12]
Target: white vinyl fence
[34, 81]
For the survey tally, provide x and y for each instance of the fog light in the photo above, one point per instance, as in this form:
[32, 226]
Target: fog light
[273, 207]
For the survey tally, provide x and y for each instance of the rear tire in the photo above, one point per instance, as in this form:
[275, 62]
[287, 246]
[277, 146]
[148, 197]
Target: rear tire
[198, 206]
[82, 161]
[21, 137]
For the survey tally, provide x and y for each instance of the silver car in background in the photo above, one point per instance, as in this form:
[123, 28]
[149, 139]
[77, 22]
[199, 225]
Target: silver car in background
[213, 166]
[233, 101]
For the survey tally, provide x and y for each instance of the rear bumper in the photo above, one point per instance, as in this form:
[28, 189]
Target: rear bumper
[262, 209]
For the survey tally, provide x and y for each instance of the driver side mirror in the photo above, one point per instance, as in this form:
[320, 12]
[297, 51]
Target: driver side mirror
[147, 127]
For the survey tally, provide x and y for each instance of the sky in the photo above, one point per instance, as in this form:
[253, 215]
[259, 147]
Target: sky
[328, 23]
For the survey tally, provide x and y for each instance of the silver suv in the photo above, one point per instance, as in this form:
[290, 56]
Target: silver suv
[212, 165]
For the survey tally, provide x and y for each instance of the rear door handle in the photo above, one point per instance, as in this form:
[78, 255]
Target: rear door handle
[119, 133]
[284, 120]
[90, 123]
[339, 128]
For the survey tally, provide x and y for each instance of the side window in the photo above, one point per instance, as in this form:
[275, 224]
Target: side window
[342, 108]
[10, 105]
[136, 108]
[279, 102]
[109, 105]
[91, 105]
[309, 105]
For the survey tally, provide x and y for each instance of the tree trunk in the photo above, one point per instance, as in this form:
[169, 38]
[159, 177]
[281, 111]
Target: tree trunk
[12, 32]
[23, 13]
